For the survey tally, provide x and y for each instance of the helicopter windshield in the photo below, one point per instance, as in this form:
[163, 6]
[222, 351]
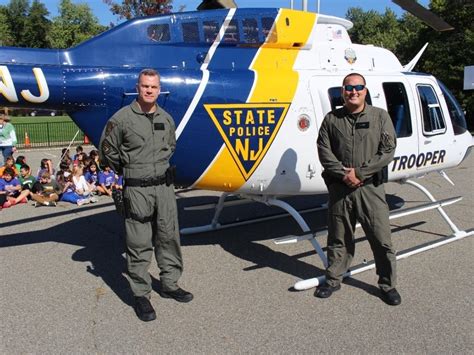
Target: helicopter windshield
[455, 111]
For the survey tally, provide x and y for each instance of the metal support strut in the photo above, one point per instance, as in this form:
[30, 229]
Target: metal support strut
[457, 235]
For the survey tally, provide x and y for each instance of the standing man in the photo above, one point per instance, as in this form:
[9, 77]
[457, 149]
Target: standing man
[138, 142]
[355, 145]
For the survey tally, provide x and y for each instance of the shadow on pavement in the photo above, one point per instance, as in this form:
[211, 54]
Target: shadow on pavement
[101, 238]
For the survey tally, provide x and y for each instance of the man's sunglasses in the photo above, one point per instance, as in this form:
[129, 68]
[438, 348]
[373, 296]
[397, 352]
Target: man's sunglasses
[359, 87]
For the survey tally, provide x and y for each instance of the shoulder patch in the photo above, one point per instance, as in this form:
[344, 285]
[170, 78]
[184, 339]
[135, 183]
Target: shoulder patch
[106, 147]
[110, 126]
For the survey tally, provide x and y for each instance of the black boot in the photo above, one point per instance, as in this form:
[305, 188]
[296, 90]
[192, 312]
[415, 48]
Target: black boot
[144, 309]
[391, 297]
[179, 295]
[325, 290]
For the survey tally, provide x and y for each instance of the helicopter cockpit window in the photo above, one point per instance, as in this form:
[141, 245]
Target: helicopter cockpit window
[159, 33]
[211, 30]
[455, 111]
[398, 109]
[232, 33]
[190, 32]
[250, 27]
[335, 96]
[433, 122]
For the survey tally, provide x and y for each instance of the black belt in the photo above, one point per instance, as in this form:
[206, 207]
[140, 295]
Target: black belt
[155, 181]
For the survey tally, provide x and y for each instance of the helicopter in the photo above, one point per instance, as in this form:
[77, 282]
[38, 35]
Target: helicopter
[248, 90]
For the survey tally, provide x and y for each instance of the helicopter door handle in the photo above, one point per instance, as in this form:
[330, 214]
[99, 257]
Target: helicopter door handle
[427, 142]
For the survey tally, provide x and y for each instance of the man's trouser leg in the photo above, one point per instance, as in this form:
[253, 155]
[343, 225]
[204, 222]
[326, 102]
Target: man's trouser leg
[138, 237]
[167, 239]
[373, 214]
[140, 208]
[341, 224]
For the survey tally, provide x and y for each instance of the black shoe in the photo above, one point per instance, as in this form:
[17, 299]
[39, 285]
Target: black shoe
[179, 295]
[391, 297]
[144, 309]
[325, 291]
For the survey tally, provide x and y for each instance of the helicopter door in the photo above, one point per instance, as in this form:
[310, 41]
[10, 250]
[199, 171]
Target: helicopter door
[434, 136]
[400, 106]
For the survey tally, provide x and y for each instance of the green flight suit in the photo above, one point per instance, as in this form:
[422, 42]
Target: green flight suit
[139, 146]
[366, 142]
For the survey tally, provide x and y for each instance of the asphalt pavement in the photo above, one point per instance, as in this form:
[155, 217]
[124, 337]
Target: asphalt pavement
[64, 288]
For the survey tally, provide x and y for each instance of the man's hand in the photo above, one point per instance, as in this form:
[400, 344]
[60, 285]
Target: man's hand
[350, 179]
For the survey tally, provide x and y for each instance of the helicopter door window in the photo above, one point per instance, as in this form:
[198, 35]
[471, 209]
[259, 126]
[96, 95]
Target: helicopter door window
[398, 109]
[335, 96]
[250, 27]
[433, 122]
[455, 111]
[190, 32]
[159, 33]
[211, 30]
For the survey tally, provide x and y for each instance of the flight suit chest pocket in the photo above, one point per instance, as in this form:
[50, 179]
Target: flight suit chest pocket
[160, 131]
[362, 129]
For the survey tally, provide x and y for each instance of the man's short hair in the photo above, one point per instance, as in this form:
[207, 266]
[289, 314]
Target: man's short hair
[353, 74]
[149, 72]
[25, 166]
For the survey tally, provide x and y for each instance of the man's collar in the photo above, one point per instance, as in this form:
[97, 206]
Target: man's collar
[363, 112]
[137, 109]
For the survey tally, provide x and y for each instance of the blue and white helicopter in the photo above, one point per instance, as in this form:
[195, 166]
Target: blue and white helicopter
[248, 89]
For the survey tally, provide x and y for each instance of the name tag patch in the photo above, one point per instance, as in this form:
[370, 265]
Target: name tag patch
[159, 126]
[362, 125]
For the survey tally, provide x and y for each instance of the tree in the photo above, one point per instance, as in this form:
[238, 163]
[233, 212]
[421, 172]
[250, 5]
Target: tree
[373, 28]
[6, 37]
[75, 24]
[36, 26]
[17, 10]
[449, 52]
[135, 8]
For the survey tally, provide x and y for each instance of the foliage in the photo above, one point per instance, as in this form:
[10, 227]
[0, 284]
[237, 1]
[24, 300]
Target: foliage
[74, 25]
[6, 37]
[16, 12]
[36, 26]
[447, 53]
[372, 28]
[135, 8]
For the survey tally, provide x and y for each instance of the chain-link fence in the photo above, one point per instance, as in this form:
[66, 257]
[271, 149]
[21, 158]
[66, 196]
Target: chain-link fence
[48, 134]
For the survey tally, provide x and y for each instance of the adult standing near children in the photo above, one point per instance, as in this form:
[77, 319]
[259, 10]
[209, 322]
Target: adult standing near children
[355, 145]
[138, 142]
[8, 138]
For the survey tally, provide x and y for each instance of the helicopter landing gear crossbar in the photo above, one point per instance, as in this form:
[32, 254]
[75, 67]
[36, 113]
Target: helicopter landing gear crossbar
[310, 236]
[457, 235]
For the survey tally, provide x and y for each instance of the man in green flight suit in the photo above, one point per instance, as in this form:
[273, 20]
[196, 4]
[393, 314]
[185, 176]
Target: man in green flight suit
[355, 145]
[138, 142]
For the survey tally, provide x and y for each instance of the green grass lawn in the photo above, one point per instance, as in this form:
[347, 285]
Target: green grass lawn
[46, 130]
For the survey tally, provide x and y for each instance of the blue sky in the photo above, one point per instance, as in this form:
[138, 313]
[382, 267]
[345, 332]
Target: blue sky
[327, 7]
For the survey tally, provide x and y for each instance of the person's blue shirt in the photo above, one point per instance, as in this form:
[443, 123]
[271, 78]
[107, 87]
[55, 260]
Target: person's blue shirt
[106, 178]
[5, 184]
[91, 178]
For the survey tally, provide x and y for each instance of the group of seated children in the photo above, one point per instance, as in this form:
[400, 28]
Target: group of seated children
[78, 180]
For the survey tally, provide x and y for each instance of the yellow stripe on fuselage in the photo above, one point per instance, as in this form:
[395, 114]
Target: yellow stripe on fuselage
[275, 82]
